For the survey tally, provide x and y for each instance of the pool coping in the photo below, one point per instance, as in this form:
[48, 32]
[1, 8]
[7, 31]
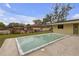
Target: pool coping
[24, 53]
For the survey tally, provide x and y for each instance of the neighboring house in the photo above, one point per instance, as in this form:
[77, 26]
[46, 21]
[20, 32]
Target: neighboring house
[4, 31]
[66, 27]
[39, 28]
[17, 30]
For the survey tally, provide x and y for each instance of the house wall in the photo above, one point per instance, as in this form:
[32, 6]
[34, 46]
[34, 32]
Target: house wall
[45, 29]
[36, 28]
[67, 29]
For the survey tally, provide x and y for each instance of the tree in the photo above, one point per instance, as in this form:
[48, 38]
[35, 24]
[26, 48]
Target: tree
[29, 28]
[60, 12]
[65, 11]
[55, 12]
[2, 25]
[49, 16]
[11, 25]
[37, 22]
[45, 20]
[15, 27]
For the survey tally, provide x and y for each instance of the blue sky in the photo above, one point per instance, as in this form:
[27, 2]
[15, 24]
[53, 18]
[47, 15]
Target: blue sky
[27, 12]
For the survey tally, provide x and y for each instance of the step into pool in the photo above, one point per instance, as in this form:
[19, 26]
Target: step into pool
[31, 43]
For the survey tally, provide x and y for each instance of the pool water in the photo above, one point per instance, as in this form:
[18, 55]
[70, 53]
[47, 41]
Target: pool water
[28, 43]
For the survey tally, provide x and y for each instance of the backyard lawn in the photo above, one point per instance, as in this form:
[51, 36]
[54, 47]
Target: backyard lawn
[4, 37]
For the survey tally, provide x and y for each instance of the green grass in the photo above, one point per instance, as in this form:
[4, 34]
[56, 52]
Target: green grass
[4, 37]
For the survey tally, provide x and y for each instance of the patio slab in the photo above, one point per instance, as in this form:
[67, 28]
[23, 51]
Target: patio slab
[9, 48]
[66, 47]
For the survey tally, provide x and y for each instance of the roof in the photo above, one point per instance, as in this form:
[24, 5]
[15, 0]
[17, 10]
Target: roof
[67, 22]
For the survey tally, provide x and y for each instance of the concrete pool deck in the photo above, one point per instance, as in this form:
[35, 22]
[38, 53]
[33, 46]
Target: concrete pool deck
[66, 47]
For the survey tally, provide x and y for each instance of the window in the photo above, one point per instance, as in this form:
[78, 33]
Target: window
[60, 26]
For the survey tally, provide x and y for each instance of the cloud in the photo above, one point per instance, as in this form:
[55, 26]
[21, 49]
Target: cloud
[25, 19]
[15, 18]
[8, 5]
[2, 12]
[76, 16]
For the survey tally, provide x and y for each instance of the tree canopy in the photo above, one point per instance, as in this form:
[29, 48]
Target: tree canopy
[59, 13]
[2, 25]
[37, 22]
[16, 25]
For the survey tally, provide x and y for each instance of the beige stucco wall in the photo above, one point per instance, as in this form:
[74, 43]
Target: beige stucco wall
[45, 29]
[36, 28]
[67, 29]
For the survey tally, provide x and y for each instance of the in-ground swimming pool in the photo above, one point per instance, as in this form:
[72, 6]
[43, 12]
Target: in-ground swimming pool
[31, 43]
